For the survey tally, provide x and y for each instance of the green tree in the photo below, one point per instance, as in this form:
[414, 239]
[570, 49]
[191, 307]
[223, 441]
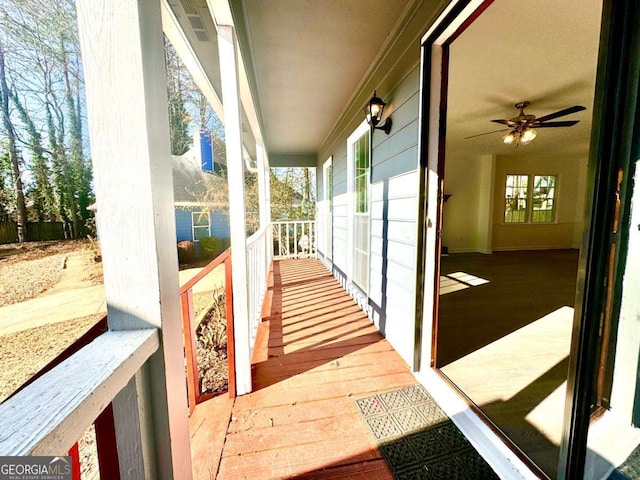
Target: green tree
[48, 94]
[292, 194]
[21, 209]
[7, 203]
[41, 193]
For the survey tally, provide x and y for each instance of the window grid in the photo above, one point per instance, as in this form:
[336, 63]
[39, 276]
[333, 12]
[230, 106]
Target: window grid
[200, 222]
[544, 204]
[516, 199]
[330, 186]
[530, 205]
[361, 173]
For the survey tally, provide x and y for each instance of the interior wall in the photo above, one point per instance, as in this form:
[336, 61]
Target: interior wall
[468, 213]
[570, 198]
[474, 214]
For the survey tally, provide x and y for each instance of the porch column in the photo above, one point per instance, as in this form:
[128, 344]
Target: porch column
[123, 60]
[228, 53]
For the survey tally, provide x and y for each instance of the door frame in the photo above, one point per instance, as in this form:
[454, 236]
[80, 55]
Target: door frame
[612, 148]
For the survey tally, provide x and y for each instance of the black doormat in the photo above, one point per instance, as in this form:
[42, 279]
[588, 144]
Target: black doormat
[630, 469]
[418, 440]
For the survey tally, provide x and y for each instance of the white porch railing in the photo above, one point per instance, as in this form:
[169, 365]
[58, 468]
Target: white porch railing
[259, 257]
[48, 416]
[294, 239]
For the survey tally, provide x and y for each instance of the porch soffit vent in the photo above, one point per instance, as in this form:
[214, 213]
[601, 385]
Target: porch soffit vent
[201, 35]
[196, 22]
[193, 14]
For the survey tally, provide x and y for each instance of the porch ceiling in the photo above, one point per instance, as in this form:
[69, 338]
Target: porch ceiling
[306, 61]
[308, 58]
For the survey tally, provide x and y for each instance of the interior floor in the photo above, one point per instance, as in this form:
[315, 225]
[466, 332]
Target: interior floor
[504, 332]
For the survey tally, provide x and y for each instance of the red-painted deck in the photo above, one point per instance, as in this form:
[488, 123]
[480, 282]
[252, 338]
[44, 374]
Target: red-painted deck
[315, 355]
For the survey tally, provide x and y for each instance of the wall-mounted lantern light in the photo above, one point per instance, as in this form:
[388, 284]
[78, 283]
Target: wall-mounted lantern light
[374, 114]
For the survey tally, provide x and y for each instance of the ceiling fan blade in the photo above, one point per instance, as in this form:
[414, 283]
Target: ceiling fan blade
[565, 123]
[505, 122]
[486, 133]
[561, 113]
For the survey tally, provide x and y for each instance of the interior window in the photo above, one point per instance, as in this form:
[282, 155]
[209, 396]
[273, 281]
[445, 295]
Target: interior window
[515, 199]
[530, 205]
[544, 202]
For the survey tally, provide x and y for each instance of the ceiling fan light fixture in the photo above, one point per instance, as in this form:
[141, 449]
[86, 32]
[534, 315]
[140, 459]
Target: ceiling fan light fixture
[509, 137]
[527, 136]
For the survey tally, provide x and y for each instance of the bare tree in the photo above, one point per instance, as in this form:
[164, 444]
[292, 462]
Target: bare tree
[21, 207]
[47, 92]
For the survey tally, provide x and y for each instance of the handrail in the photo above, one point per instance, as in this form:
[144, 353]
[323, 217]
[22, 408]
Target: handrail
[259, 256]
[104, 426]
[255, 236]
[295, 239]
[89, 336]
[219, 260]
[48, 416]
[194, 394]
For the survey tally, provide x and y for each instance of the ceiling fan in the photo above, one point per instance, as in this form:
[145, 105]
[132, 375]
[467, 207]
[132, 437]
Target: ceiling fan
[521, 129]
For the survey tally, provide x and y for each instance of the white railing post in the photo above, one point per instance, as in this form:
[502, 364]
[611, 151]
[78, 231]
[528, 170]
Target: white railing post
[228, 54]
[301, 231]
[124, 70]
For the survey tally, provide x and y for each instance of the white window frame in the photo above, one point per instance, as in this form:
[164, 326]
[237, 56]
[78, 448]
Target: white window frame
[327, 214]
[351, 201]
[529, 198]
[193, 223]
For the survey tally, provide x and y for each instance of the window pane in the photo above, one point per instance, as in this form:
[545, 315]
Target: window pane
[515, 199]
[199, 232]
[330, 183]
[200, 219]
[361, 173]
[544, 192]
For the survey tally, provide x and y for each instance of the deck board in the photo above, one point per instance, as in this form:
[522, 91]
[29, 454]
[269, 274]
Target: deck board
[316, 353]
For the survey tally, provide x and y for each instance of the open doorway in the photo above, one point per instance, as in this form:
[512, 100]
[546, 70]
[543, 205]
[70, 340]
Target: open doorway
[511, 215]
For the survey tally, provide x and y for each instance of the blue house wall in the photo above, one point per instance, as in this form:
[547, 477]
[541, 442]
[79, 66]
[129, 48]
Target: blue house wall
[218, 226]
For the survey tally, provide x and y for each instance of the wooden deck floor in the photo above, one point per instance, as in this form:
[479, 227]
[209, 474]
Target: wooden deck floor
[315, 355]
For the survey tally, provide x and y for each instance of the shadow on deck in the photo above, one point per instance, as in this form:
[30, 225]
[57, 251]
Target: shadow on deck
[315, 355]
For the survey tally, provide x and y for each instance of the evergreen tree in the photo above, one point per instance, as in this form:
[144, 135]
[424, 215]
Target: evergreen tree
[16, 168]
[41, 193]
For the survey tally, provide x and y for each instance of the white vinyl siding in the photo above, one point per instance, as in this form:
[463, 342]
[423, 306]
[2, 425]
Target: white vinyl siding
[394, 192]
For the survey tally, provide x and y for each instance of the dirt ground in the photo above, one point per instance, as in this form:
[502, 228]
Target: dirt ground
[34, 268]
[29, 272]
[42, 289]
[26, 273]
